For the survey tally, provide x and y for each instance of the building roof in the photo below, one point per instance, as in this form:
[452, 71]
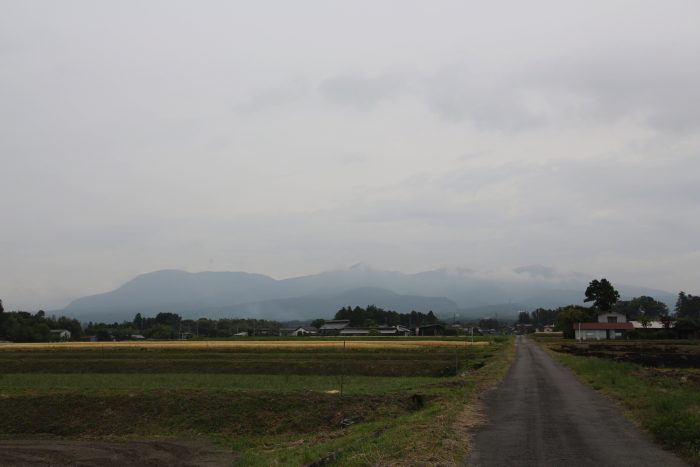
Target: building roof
[602, 326]
[349, 331]
[335, 324]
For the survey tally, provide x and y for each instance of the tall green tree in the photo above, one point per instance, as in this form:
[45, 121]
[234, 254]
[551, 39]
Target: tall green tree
[687, 306]
[643, 306]
[602, 294]
[524, 318]
[567, 316]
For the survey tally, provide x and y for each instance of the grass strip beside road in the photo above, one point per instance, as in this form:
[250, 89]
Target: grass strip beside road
[667, 407]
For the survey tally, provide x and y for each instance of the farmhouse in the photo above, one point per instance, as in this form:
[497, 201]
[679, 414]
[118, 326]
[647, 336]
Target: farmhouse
[347, 332]
[609, 326]
[333, 327]
[380, 331]
[305, 331]
[394, 331]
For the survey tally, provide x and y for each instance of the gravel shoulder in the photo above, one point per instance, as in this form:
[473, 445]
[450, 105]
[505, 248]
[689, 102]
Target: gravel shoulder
[541, 415]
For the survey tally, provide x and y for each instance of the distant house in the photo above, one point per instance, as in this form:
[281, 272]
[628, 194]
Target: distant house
[520, 328]
[136, 337]
[306, 331]
[333, 327]
[548, 328]
[59, 334]
[379, 331]
[394, 331]
[346, 332]
[609, 326]
[299, 331]
[650, 325]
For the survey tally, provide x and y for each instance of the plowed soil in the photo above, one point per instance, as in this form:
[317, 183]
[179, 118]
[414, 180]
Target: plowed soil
[181, 453]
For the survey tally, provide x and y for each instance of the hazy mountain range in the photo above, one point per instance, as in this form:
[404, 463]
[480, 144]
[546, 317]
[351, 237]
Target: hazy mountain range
[448, 292]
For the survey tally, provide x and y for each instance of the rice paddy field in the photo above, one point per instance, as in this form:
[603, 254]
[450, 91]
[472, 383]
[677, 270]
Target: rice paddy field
[268, 402]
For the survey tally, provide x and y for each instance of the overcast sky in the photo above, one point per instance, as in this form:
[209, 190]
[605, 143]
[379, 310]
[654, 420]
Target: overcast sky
[287, 138]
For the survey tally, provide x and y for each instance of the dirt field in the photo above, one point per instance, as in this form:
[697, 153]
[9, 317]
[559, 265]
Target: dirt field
[181, 453]
[669, 354]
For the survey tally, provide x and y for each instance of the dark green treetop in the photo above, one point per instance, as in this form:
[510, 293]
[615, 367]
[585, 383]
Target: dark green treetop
[602, 294]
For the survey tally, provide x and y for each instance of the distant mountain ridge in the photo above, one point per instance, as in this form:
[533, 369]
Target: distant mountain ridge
[241, 294]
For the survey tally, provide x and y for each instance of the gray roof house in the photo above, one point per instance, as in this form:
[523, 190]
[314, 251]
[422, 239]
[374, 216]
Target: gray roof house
[333, 327]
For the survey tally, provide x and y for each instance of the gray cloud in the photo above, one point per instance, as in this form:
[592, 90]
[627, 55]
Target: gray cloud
[272, 97]
[361, 91]
[536, 270]
[652, 85]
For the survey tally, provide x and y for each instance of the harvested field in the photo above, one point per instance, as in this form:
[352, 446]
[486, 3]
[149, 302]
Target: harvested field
[179, 453]
[669, 354]
[245, 344]
[267, 402]
[307, 360]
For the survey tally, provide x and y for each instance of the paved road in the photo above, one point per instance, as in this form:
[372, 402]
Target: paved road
[541, 415]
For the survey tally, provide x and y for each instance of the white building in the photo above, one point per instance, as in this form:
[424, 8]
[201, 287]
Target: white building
[609, 326]
[60, 334]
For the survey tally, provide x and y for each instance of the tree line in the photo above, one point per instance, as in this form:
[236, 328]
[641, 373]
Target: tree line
[373, 316]
[22, 326]
[173, 326]
[685, 320]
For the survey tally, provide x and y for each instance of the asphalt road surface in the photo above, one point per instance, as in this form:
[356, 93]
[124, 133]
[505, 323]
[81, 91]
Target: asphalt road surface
[541, 415]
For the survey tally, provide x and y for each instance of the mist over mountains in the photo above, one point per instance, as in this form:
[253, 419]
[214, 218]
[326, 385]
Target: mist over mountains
[447, 292]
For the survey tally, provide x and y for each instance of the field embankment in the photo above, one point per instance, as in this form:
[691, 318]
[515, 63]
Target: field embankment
[656, 382]
[273, 402]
